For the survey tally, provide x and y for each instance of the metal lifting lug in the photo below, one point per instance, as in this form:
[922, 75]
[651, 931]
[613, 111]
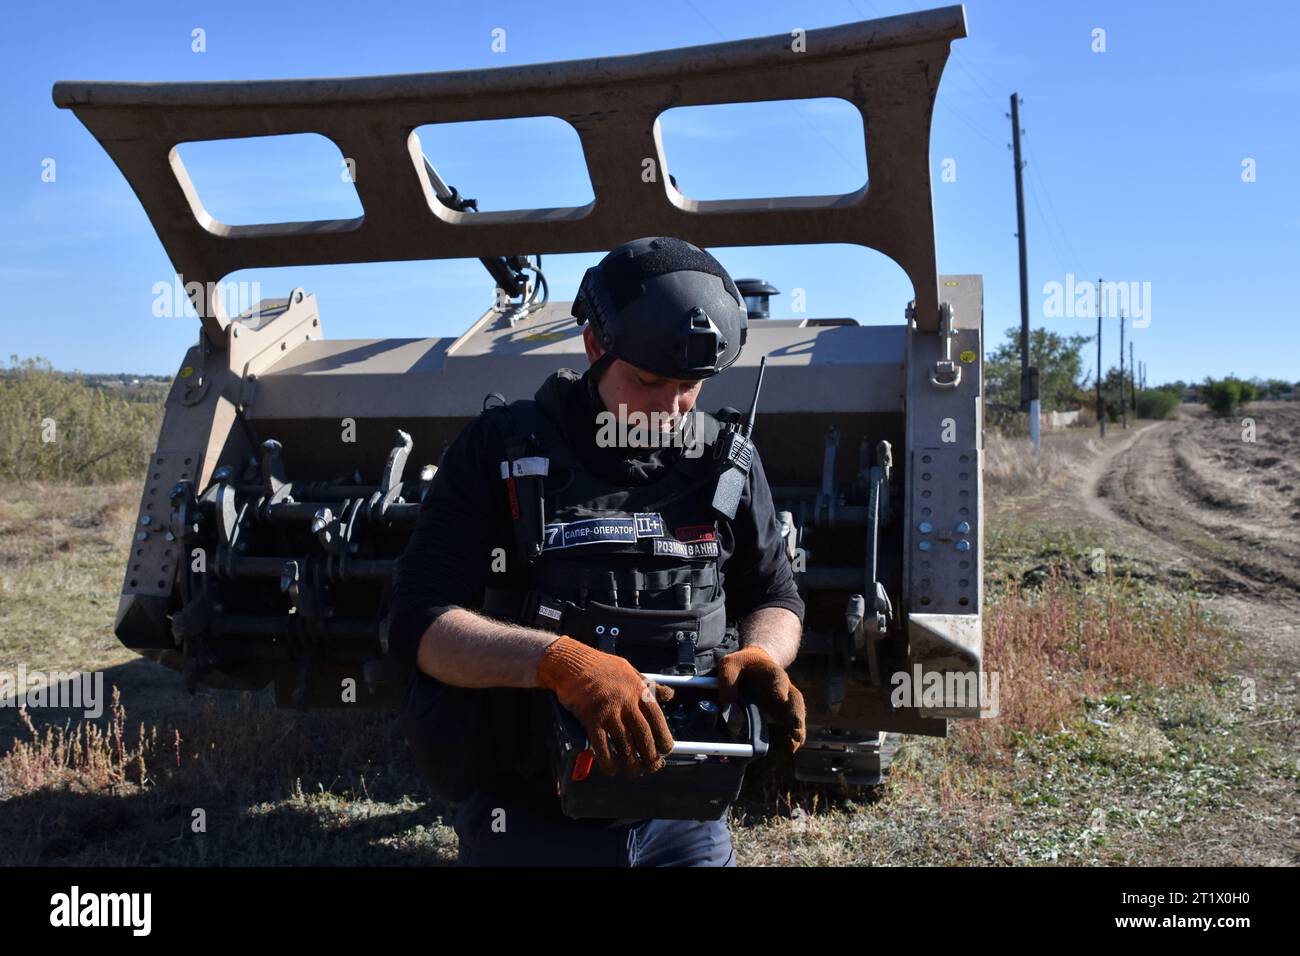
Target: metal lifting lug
[947, 373]
[198, 379]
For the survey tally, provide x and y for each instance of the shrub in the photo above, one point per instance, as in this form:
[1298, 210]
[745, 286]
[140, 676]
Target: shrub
[1157, 403]
[1223, 396]
[57, 427]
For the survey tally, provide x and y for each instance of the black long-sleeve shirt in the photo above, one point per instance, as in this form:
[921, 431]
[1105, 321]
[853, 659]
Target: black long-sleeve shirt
[465, 516]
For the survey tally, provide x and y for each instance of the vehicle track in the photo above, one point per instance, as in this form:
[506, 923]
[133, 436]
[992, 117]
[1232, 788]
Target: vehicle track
[1226, 506]
[1193, 493]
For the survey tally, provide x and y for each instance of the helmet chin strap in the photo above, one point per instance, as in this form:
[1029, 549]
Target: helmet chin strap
[598, 367]
[594, 373]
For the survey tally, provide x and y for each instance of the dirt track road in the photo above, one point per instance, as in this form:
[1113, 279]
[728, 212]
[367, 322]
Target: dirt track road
[1209, 498]
[1229, 500]
[1196, 493]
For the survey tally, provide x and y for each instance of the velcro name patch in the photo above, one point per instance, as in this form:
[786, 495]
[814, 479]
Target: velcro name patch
[670, 547]
[649, 525]
[574, 534]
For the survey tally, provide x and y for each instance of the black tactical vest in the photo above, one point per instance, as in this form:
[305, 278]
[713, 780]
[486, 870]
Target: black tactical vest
[629, 569]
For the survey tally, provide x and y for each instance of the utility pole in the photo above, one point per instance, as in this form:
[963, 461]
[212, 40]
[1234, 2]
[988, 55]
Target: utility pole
[1123, 405]
[1028, 375]
[1132, 380]
[1101, 405]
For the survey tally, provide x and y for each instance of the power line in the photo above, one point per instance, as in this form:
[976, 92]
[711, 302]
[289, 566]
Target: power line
[1050, 230]
[962, 66]
[1047, 230]
[834, 149]
[1033, 160]
[978, 132]
[1042, 184]
[944, 103]
[874, 13]
[1060, 226]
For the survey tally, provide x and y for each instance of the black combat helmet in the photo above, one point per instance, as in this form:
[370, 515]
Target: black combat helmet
[665, 306]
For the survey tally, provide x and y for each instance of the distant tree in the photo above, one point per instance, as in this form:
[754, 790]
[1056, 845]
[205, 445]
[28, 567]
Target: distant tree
[1059, 361]
[1158, 403]
[54, 426]
[1273, 389]
[1225, 395]
[1110, 392]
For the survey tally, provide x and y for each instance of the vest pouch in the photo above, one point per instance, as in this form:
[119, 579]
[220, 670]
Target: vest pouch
[674, 641]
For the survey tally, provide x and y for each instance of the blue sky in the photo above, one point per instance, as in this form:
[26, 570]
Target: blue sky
[1135, 165]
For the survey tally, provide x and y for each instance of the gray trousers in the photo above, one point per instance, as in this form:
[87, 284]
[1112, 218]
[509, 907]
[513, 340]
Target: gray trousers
[496, 830]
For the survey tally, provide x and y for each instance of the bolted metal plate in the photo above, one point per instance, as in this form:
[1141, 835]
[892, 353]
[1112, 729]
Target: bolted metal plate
[152, 567]
[945, 553]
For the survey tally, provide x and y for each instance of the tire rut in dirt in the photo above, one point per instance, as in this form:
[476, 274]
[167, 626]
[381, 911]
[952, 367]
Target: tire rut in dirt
[1227, 501]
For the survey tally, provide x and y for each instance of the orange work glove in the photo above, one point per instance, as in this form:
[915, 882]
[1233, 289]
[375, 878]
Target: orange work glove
[618, 707]
[753, 670]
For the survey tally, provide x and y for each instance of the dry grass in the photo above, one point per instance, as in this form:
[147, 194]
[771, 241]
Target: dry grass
[85, 758]
[225, 742]
[63, 549]
[1012, 468]
[1059, 647]
[337, 788]
[1107, 698]
[278, 787]
[274, 787]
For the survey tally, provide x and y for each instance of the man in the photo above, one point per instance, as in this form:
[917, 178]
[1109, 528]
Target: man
[545, 560]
